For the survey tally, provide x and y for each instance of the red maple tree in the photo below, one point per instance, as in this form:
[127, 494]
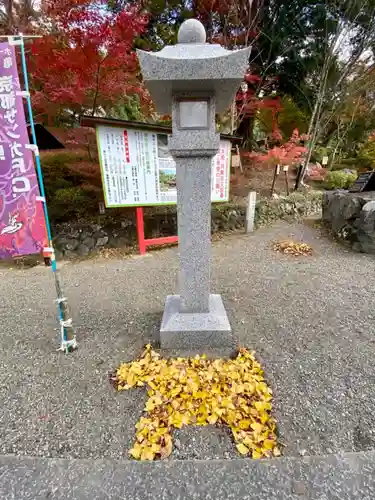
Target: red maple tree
[86, 62]
[237, 24]
[289, 153]
[252, 98]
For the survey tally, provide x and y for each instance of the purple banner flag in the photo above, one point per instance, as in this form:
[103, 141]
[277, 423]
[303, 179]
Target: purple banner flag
[22, 222]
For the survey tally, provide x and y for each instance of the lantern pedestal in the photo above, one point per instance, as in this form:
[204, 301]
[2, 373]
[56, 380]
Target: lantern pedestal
[197, 332]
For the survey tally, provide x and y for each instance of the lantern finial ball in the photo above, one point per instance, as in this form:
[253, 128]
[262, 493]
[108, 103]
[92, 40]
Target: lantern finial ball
[192, 31]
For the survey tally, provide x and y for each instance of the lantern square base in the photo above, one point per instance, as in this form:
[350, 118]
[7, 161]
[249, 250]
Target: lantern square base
[187, 334]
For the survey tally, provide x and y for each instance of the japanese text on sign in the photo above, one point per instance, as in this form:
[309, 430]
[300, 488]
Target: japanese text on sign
[22, 224]
[137, 168]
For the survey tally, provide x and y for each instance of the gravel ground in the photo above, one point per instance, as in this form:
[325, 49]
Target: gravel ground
[310, 320]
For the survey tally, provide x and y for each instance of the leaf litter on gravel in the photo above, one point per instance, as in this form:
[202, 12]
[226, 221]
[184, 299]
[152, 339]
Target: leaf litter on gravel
[289, 247]
[199, 391]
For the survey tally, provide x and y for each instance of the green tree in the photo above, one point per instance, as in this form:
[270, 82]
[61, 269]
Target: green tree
[303, 51]
[344, 47]
[164, 19]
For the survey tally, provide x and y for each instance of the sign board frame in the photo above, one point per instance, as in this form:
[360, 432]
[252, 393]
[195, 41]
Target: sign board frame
[94, 122]
[130, 143]
[364, 182]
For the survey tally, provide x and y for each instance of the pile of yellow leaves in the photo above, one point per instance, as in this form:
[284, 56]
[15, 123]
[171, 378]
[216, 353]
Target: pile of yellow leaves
[292, 248]
[198, 391]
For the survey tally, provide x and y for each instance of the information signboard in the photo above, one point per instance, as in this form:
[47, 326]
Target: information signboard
[364, 182]
[138, 170]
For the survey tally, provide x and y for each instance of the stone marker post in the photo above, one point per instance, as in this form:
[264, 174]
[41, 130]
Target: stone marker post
[250, 211]
[194, 80]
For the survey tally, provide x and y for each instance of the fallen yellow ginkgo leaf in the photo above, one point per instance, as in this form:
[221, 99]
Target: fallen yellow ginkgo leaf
[289, 247]
[199, 391]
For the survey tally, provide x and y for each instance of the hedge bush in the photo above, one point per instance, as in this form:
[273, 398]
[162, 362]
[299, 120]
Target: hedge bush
[338, 179]
[352, 164]
[73, 184]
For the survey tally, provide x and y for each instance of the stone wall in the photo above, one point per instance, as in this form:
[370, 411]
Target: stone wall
[351, 217]
[82, 237]
[295, 206]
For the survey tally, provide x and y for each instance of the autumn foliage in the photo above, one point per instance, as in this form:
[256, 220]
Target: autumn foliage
[288, 153]
[198, 391]
[87, 62]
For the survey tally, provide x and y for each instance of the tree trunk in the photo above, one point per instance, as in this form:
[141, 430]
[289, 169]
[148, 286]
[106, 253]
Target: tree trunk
[246, 131]
[8, 7]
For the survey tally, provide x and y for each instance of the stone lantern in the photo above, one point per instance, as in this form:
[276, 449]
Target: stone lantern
[194, 80]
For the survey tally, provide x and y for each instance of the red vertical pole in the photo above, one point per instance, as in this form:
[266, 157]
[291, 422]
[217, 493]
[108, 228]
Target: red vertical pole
[141, 231]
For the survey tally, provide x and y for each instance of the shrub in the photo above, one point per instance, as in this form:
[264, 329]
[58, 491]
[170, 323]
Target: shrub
[316, 173]
[367, 153]
[73, 184]
[70, 202]
[339, 179]
[352, 164]
[62, 158]
[345, 163]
